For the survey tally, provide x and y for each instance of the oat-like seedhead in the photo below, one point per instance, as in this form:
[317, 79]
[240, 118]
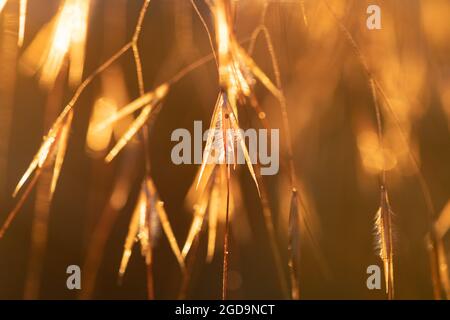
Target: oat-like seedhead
[385, 241]
[148, 217]
[68, 37]
[209, 201]
[237, 70]
[384, 110]
[224, 138]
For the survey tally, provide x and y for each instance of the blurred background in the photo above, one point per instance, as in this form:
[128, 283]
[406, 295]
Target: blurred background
[337, 154]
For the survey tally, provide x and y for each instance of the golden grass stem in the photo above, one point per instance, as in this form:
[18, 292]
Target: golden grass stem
[433, 243]
[205, 26]
[294, 246]
[295, 288]
[144, 129]
[226, 240]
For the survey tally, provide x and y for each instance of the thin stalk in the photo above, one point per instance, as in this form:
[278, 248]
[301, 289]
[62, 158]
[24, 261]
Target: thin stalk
[267, 211]
[285, 126]
[205, 26]
[295, 287]
[226, 240]
[149, 260]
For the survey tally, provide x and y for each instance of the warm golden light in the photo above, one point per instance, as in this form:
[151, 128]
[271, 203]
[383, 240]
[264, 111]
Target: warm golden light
[204, 149]
[2, 4]
[98, 140]
[22, 20]
[374, 158]
[64, 38]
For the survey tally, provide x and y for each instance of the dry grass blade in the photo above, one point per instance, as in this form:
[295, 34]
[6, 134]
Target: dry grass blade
[140, 121]
[196, 226]
[241, 141]
[51, 140]
[132, 234]
[130, 133]
[210, 198]
[258, 73]
[201, 198]
[37, 162]
[150, 98]
[54, 141]
[61, 151]
[213, 214]
[237, 70]
[148, 212]
[209, 141]
[169, 234]
[384, 241]
[165, 223]
[145, 234]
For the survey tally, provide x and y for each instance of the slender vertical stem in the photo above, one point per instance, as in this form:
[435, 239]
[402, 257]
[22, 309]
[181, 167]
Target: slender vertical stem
[295, 287]
[144, 134]
[226, 240]
[285, 127]
[150, 288]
